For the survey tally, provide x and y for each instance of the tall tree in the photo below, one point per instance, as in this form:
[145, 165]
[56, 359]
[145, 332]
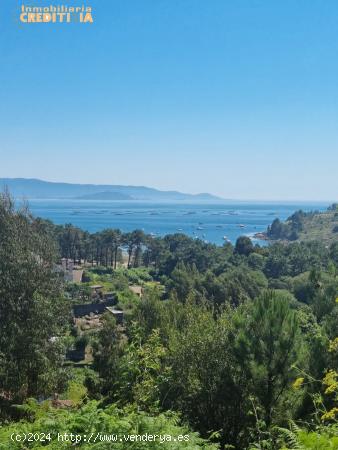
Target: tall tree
[270, 336]
[32, 311]
[244, 246]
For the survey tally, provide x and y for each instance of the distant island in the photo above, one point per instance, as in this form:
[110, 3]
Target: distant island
[39, 189]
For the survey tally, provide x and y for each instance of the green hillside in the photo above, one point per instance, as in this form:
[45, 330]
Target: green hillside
[322, 226]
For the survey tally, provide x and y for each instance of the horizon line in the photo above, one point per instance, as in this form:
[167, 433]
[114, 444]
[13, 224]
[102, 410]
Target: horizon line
[217, 197]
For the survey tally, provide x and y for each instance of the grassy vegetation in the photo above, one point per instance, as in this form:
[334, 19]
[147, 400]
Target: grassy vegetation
[320, 226]
[313, 226]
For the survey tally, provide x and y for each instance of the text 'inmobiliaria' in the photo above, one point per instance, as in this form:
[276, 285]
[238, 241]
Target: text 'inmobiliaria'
[56, 14]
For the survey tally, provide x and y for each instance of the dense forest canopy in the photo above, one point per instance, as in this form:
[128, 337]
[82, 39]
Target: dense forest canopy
[235, 346]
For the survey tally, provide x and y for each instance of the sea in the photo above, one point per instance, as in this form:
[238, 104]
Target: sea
[214, 223]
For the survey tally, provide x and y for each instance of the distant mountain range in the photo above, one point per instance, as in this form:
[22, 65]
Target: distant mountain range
[39, 189]
[106, 195]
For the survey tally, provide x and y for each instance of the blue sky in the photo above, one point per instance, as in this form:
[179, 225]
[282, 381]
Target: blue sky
[238, 98]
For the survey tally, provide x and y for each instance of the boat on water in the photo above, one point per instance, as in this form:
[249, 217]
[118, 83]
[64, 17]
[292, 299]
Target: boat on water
[241, 225]
[200, 228]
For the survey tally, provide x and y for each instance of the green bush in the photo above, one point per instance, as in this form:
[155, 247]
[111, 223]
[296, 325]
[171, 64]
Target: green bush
[92, 419]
